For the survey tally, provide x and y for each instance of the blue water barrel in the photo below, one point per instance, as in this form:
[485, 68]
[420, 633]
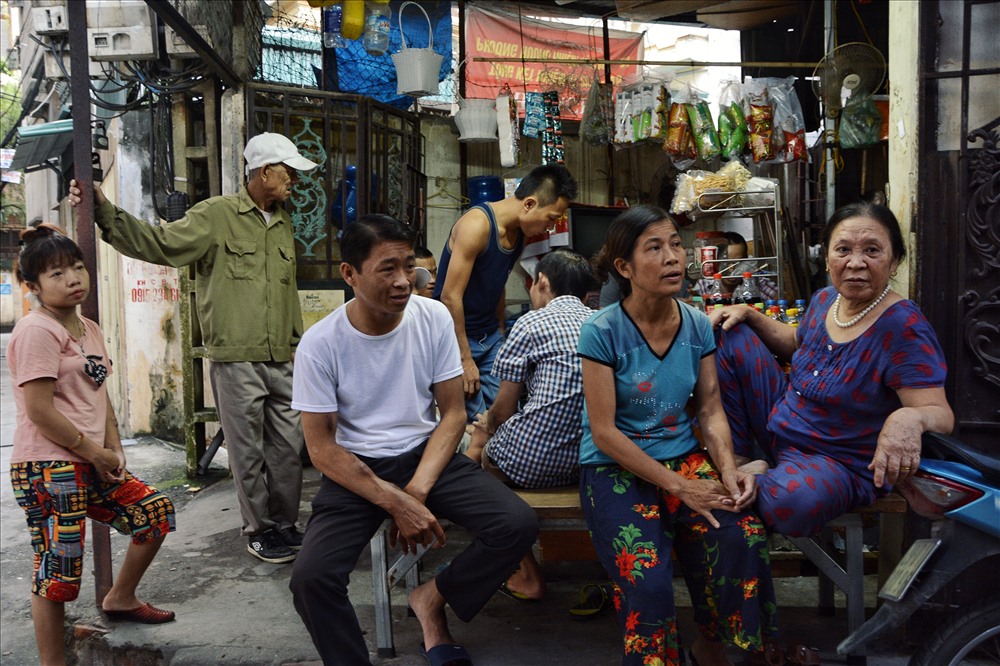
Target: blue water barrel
[484, 188]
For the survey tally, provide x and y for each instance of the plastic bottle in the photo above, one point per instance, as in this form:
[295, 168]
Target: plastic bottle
[332, 15]
[376, 38]
[715, 295]
[774, 312]
[792, 317]
[747, 293]
[698, 302]
[800, 303]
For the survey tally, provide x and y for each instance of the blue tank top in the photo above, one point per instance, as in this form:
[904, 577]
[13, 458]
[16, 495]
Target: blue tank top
[487, 280]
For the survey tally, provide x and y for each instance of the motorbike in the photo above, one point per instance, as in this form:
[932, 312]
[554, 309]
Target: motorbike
[958, 488]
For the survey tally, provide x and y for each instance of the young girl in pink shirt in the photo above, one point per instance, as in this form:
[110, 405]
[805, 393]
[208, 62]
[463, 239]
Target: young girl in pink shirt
[67, 461]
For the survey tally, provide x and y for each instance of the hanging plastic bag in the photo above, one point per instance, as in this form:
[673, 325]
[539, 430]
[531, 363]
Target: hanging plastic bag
[702, 127]
[759, 118]
[596, 127]
[860, 123]
[733, 131]
[789, 123]
[507, 127]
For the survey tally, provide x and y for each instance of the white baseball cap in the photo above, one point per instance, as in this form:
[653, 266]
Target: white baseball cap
[271, 148]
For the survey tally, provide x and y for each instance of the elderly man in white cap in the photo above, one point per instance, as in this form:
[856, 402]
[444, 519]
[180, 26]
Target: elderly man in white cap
[244, 251]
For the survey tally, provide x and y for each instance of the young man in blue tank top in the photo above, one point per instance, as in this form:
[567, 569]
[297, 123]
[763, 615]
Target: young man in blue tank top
[481, 251]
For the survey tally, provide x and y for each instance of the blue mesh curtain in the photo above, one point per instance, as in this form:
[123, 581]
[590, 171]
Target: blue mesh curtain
[375, 76]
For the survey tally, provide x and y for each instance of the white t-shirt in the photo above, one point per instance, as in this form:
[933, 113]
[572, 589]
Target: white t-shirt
[380, 387]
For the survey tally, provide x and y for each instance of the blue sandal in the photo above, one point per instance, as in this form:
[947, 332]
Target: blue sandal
[446, 655]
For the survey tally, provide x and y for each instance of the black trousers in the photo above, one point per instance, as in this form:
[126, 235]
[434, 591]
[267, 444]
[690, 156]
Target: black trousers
[342, 523]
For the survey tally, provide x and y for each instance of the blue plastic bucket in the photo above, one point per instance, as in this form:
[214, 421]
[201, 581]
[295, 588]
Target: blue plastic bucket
[484, 188]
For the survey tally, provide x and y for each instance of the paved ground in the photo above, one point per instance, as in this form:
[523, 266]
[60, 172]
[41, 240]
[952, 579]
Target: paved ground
[234, 609]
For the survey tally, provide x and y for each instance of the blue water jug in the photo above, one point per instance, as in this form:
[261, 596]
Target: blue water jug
[484, 188]
[345, 206]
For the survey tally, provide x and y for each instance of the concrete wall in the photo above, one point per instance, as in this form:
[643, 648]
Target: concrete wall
[904, 122]
[139, 302]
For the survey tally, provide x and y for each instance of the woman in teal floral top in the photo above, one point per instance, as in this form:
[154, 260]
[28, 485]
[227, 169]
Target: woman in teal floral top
[647, 484]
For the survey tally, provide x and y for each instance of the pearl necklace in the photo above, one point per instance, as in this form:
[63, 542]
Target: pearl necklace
[861, 315]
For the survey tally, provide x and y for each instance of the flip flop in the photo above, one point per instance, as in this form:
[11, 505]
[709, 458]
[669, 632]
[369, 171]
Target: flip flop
[594, 599]
[144, 614]
[446, 655]
[513, 594]
[803, 655]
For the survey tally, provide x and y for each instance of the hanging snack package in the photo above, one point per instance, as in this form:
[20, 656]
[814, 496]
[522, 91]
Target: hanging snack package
[860, 123]
[678, 131]
[760, 119]
[534, 114]
[795, 135]
[789, 123]
[662, 113]
[732, 124]
[703, 129]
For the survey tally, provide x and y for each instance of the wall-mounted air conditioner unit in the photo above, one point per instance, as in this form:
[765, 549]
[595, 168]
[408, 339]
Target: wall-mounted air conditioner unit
[49, 20]
[121, 30]
[178, 48]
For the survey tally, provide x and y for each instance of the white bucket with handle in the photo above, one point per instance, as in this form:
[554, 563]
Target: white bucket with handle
[417, 70]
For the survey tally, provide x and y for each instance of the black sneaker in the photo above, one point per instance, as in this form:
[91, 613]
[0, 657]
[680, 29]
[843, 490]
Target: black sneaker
[267, 546]
[291, 537]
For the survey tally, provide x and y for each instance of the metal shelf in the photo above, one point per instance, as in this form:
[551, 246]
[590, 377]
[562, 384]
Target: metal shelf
[772, 216]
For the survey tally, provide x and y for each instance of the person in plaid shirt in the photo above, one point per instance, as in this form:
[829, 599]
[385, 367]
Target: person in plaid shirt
[538, 446]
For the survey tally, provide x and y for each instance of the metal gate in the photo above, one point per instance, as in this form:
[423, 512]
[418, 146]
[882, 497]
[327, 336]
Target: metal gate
[370, 158]
[958, 281]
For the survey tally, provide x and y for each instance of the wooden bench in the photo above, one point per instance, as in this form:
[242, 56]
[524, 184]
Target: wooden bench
[558, 510]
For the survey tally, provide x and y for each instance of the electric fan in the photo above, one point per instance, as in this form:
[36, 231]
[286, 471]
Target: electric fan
[850, 72]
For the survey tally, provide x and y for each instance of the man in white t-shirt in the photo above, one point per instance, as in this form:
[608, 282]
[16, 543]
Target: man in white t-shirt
[367, 378]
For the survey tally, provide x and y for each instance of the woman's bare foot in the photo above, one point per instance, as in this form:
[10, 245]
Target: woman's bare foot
[709, 653]
[755, 467]
[428, 605]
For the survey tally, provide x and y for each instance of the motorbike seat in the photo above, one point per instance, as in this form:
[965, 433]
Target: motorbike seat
[943, 447]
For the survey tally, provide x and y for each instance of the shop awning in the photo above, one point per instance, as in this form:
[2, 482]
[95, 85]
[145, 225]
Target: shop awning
[38, 144]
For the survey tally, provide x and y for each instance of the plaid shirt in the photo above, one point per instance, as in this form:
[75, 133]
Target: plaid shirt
[539, 446]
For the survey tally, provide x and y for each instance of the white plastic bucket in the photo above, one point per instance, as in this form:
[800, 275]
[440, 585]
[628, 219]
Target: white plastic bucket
[417, 70]
[476, 120]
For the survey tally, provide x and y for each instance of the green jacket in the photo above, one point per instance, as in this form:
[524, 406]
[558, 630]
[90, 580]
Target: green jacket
[248, 303]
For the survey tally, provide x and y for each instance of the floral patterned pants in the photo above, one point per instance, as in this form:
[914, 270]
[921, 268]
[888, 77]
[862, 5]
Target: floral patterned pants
[635, 524]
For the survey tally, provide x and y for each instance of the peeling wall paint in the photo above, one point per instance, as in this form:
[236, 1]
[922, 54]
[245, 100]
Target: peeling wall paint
[904, 115]
[147, 309]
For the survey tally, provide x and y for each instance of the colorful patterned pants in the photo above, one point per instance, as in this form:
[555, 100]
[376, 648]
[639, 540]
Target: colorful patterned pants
[635, 524]
[58, 496]
[805, 488]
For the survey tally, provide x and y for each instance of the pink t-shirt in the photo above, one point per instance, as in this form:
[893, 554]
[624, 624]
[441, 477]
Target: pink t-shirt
[41, 347]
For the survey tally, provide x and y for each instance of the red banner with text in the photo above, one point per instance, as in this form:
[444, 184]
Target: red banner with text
[493, 34]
